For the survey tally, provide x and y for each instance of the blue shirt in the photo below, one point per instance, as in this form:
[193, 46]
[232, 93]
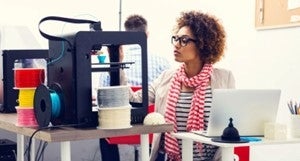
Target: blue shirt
[132, 53]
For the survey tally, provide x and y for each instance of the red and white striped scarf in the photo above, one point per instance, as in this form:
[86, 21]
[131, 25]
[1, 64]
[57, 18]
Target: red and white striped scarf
[196, 115]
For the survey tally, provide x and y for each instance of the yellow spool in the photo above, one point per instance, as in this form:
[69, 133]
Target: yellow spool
[26, 98]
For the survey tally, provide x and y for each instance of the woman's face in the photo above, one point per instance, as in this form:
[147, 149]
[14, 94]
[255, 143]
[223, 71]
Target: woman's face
[184, 46]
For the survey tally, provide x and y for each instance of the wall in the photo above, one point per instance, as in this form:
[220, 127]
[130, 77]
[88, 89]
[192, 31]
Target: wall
[258, 59]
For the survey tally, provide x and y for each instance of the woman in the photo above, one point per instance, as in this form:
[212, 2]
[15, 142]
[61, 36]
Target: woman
[183, 95]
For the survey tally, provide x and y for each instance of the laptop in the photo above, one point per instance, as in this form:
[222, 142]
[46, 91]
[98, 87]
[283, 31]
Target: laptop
[250, 109]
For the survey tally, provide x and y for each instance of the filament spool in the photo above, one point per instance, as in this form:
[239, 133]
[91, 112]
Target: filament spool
[47, 105]
[114, 118]
[28, 77]
[26, 97]
[26, 117]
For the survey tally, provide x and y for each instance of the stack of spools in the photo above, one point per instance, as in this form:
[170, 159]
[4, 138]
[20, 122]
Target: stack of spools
[114, 108]
[26, 81]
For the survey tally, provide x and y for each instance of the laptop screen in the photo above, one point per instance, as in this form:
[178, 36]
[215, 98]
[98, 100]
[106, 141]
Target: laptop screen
[250, 109]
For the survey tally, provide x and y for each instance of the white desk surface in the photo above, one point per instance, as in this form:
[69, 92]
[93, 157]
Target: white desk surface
[203, 139]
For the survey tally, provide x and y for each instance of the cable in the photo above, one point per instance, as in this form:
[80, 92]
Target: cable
[15, 154]
[44, 128]
[62, 53]
[40, 152]
[30, 141]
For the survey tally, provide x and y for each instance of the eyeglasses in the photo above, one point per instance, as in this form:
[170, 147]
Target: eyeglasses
[183, 40]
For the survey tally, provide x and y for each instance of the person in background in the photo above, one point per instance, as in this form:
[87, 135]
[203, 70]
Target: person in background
[184, 95]
[132, 53]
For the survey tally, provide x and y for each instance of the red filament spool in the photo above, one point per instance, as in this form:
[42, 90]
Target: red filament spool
[29, 77]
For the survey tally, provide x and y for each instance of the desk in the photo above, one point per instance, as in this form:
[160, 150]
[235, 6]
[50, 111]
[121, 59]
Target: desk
[226, 148]
[67, 134]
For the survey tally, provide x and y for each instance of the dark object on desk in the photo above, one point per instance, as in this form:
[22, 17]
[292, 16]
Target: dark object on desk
[230, 135]
[10, 95]
[44, 110]
[8, 150]
[72, 72]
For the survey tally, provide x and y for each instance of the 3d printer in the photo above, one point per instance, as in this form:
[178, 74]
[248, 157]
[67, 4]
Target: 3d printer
[70, 76]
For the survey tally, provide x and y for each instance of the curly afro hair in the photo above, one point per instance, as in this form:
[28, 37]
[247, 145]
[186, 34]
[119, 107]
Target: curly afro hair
[209, 32]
